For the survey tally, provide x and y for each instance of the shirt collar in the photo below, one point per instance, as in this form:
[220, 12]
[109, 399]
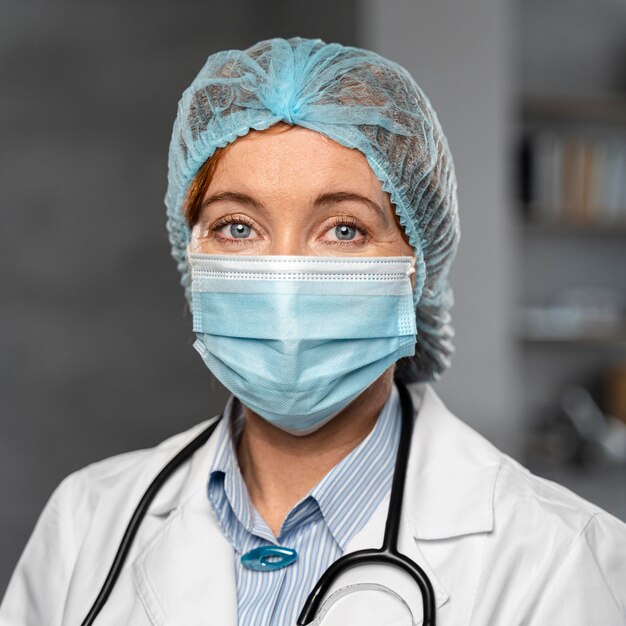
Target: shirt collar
[347, 496]
[351, 491]
[225, 476]
[451, 478]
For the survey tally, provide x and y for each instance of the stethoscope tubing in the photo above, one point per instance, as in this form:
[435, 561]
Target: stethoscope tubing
[388, 554]
[139, 514]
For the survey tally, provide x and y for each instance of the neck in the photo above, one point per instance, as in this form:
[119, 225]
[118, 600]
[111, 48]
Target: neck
[279, 469]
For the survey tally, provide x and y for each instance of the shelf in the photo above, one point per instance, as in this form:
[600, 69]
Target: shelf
[603, 109]
[578, 229]
[572, 325]
[559, 171]
[615, 341]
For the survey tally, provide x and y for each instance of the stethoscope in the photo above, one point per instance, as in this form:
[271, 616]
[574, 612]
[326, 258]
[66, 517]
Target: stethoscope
[388, 554]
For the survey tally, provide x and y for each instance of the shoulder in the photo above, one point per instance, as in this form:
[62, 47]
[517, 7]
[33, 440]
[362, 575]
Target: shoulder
[104, 489]
[520, 494]
[567, 548]
[520, 549]
[562, 557]
[91, 502]
[114, 476]
[461, 461]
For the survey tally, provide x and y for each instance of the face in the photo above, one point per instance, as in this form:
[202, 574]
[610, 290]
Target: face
[296, 192]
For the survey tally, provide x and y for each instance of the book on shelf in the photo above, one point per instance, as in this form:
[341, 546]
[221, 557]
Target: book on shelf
[573, 178]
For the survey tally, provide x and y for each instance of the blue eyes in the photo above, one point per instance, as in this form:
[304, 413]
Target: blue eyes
[240, 231]
[345, 232]
[342, 230]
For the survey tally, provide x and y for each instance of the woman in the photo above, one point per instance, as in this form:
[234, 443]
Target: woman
[312, 213]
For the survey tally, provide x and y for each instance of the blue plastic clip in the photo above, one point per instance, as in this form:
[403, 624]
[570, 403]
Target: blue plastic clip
[268, 558]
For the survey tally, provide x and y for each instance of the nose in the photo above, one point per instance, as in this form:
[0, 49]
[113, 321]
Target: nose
[289, 242]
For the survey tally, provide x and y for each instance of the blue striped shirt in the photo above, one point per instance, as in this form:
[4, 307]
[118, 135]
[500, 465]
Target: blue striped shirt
[318, 527]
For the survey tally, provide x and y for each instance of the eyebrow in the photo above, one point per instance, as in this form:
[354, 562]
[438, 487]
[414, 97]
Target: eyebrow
[233, 196]
[322, 199]
[345, 196]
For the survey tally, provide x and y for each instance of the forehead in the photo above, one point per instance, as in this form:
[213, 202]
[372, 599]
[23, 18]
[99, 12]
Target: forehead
[295, 158]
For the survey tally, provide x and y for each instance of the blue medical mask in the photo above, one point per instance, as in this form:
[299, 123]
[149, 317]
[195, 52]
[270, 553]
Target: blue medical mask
[297, 338]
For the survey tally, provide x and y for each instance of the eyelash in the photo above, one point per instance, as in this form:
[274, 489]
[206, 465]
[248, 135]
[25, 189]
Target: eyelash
[341, 220]
[346, 220]
[230, 219]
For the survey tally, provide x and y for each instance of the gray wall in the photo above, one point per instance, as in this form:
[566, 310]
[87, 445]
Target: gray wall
[460, 54]
[95, 345]
[571, 46]
[575, 50]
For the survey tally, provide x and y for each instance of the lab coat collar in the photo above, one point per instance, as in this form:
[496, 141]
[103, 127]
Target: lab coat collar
[189, 478]
[450, 483]
[371, 536]
[449, 492]
[451, 475]
[186, 576]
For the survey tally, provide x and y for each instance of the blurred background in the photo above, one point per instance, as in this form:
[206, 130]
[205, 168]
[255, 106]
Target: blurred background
[96, 350]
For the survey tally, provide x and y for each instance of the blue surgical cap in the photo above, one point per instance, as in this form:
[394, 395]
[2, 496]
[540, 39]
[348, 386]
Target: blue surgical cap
[360, 100]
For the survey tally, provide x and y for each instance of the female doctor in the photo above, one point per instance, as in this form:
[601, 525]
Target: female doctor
[312, 213]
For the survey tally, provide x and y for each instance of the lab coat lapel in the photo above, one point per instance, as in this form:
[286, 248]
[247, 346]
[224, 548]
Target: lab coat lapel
[186, 576]
[451, 477]
[393, 578]
[451, 473]
[371, 536]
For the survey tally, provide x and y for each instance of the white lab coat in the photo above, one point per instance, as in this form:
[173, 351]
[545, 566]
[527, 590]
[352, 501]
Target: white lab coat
[501, 546]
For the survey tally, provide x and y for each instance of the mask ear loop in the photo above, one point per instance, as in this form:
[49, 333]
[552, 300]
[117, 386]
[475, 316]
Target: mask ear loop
[411, 272]
[419, 269]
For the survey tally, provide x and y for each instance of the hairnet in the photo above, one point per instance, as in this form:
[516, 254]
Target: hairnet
[360, 100]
